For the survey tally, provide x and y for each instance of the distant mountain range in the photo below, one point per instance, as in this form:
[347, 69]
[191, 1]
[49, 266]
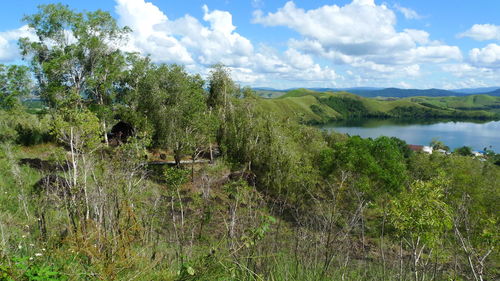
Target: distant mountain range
[476, 90]
[396, 92]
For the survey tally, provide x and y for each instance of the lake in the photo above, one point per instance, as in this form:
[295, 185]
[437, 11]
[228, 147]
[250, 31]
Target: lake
[477, 135]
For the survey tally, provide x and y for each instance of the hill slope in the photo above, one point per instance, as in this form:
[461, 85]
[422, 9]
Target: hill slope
[314, 107]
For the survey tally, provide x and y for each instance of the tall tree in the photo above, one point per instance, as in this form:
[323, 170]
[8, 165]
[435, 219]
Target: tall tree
[221, 87]
[75, 56]
[15, 83]
[174, 102]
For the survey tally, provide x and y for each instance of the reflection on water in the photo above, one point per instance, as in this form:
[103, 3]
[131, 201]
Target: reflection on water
[476, 134]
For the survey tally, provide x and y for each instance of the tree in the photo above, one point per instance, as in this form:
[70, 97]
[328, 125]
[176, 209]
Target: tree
[220, 87]
[464, 151]
[437, 144]
[174, 102]
[15, 84]
[75, 56]
[376, 165]
[130, 88]
[403, 147]
[132, 80]
[420, 216]
[477, 237]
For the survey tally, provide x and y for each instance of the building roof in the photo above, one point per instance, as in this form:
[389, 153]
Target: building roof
[415, 147]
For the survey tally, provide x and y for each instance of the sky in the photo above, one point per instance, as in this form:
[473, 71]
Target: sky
[304, 43]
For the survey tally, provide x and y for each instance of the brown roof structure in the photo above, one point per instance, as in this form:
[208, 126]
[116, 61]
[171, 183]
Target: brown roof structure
[415, 147]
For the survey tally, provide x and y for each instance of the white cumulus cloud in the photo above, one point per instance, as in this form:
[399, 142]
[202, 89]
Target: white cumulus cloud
[200, 44]
[215, 43]
[291, 65]
[488, 56]
[360, 34]
[144, 18]
[471, 75]
[355, 29]
[9, 50]
[482, 32]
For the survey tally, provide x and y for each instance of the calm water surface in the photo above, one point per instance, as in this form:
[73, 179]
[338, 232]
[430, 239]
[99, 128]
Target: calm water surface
[454, 134]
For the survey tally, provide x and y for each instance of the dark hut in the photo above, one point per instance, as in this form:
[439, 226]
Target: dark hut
[121, 132]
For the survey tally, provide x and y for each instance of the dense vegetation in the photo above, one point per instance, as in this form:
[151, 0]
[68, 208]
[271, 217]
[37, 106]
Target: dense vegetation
[312, 107]
[274, 200]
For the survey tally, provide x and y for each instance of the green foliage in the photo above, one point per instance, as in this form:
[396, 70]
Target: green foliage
[76, 54]
[5, 272]
[33, 272]
[15, 84]
[173, 102]
[418, 112]
[374, 165]
[347, 106]
[464, 151]
[402, 147]
[23, 128]
[437, 144]
[208, 267]
[276, 152]
[254, 235]
[221, 87]
[420, 213]
[26, 269]
[495, 159]
[77, 127]
[7, 132]
[175, 177]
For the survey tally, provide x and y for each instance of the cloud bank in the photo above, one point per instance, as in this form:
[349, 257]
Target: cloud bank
[356, 44]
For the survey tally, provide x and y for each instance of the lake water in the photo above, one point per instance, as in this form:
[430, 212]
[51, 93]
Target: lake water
[454, 134]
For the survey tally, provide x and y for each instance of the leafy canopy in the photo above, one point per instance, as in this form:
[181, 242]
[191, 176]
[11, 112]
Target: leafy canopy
[75, 54]
[15, 83]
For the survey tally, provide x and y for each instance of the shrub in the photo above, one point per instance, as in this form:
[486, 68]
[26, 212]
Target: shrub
[24, 128]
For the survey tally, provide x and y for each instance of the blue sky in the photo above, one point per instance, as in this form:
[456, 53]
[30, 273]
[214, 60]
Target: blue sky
[284, 44]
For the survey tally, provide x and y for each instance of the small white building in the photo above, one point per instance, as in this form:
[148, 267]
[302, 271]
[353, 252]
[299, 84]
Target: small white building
[427, 149]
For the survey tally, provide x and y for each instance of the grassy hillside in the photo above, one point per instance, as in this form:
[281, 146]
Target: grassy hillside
[304, 108]
[318, 107]
[473, 102]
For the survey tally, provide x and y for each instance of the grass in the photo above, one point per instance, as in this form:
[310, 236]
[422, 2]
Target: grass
[299, 108]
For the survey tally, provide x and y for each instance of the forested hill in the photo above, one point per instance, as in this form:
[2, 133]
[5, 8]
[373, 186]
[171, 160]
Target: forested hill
[311, 107]
[389, 92]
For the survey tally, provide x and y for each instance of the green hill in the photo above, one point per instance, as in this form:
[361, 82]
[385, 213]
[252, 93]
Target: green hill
[473, 102]
[303, 108]
[314, 107]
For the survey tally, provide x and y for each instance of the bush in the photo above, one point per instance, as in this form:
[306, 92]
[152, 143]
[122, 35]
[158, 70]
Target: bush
[464, 151]
[24, 269]
[24, 128]
[7, 133]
